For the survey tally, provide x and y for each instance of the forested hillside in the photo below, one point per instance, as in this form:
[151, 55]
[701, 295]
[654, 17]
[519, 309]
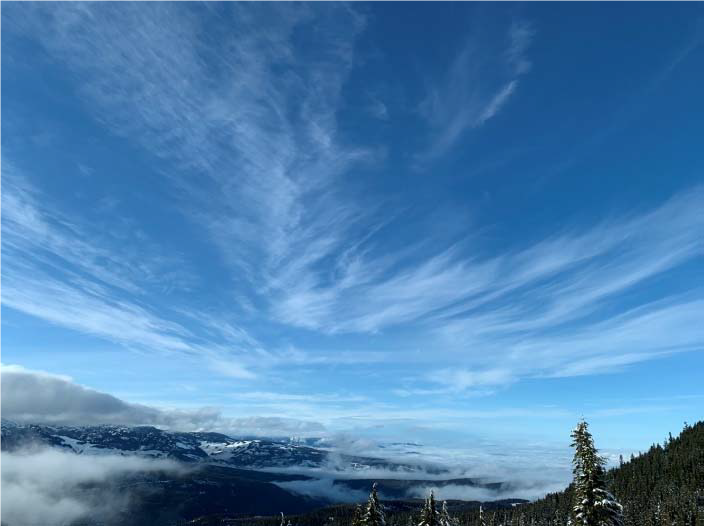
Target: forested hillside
[661, 487]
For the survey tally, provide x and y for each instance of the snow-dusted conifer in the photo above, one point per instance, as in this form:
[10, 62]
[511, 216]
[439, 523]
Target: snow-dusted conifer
[482, 521]
[445, 518]
[285, 522]
[593, 506]
[374, 514]
[358, 515]
[429, 515]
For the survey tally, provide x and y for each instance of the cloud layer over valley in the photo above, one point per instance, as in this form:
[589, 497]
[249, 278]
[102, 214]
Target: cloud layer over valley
[53, 487]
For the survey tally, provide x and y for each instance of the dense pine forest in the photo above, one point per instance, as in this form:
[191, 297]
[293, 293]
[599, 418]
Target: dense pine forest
[661, 487]
[664, 486]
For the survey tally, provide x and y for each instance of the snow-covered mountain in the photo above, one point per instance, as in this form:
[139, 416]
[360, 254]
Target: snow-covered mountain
[240, 476]
[211, 448]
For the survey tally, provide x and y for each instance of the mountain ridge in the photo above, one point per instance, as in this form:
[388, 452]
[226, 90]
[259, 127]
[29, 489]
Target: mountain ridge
[189, 447]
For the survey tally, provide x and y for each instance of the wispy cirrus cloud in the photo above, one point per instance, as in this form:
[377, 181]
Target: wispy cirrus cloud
[241, 104]
[256, 153]
[58, 270]
[649, 332]
[253, 136]
[556, 280]
[478, 83]
[509, 308]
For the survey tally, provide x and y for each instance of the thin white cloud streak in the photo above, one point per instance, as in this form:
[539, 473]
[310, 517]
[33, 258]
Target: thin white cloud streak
[55, 241]
[555, 281]
[574, 272]
[644, 333]
[479, 82]
[73, 307]
[59, 272]
[462, 379]
[649, 332]
[269, 396]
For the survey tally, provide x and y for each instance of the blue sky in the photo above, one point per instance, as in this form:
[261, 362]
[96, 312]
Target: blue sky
[460, 224]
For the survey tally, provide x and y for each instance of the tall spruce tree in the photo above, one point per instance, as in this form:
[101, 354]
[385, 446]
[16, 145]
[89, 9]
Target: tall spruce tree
[429, 515]
[593, 504]
[374, 514]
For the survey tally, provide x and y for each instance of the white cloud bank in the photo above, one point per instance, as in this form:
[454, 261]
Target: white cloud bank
[47, 487]
[39, 397]
[521, 490]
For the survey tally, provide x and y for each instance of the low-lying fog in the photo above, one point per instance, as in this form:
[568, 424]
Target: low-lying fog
[53, 487]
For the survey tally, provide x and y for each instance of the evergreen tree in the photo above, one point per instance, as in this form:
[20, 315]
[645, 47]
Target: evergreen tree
[593, 505]
[357, 518]
[374, 514]
[429, 515]
[445, 518]
[482, 522]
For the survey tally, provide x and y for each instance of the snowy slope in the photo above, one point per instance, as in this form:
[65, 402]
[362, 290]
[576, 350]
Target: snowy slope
[211, 448]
